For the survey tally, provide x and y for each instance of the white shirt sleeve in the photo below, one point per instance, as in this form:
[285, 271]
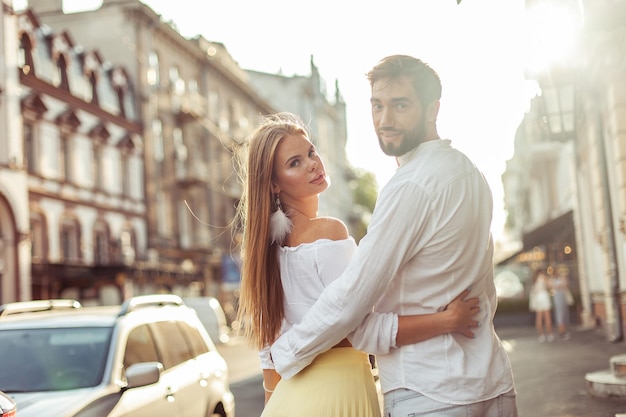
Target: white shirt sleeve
[376, 334]
[266, 360]
[343, 305]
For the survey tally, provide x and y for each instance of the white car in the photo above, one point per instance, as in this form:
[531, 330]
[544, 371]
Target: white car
[7, 406]
[212, 316]
[149, 357]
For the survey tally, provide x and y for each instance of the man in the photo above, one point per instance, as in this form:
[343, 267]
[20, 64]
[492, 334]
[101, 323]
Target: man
[428, 240]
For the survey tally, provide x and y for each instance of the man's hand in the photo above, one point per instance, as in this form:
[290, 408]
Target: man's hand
[460, 314]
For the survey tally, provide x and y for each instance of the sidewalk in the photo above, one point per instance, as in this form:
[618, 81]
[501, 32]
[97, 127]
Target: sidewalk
[550, 377]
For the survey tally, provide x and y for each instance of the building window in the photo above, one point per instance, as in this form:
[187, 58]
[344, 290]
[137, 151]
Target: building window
[97, 166]
[214, 109]
[177, 84]
[25, 57]
[120, 85]
[101, 244]
[68, 160]
[37, 238]
[61, 78]
[153, 77]
[30, 150]
[157, 132]
[70, 241]
[180, 152]
[83, 170]
[91, 65]
[164, 214]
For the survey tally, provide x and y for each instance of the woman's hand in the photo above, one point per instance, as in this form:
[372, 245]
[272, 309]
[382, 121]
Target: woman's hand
[460, 314]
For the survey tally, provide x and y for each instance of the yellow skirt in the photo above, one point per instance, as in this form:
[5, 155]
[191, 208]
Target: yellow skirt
[338, 383]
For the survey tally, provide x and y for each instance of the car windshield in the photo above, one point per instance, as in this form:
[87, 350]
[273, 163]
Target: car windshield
[52, 359]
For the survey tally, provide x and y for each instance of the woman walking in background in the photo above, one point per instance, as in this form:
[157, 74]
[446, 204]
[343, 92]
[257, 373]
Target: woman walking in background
[539, 302]
[559, 288]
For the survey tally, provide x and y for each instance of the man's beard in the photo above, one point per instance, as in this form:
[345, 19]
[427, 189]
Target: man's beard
[409, 142]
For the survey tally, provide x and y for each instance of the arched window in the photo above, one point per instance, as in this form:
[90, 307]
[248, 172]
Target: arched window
[119, 81]
[60, 52]
[91, 65]
[25, 57]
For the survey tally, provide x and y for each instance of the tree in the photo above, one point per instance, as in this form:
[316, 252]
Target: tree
[364, 192]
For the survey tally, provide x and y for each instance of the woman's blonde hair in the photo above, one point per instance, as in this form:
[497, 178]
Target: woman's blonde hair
[261, 299]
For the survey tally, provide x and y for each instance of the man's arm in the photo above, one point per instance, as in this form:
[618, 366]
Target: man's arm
[378, 333]
[389, 243]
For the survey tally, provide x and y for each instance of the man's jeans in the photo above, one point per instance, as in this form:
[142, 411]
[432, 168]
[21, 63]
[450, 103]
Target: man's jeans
[407, 403]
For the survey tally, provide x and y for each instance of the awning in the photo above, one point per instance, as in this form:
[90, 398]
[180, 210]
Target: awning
[559, 229]
[556, 230]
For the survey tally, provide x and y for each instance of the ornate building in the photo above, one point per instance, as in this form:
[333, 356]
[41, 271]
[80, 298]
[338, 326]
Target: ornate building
[74, 209]
[566, 184]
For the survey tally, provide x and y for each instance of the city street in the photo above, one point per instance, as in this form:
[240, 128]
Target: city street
[550, 377]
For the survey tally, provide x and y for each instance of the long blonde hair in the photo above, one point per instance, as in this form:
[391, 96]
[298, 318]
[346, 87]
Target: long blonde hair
[261, 299]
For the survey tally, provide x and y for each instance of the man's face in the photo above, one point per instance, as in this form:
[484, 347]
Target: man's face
[398, 116]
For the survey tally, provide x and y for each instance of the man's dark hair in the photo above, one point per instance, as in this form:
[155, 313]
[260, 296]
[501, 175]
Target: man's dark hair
[425, 80]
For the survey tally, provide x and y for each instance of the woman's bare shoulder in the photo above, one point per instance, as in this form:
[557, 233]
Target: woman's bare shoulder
[330, 228]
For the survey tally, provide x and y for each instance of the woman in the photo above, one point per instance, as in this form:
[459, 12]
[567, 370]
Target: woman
[289, 255]
[539, 302]
[559, 287]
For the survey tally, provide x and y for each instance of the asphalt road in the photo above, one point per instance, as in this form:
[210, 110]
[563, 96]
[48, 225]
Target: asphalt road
[549, 377]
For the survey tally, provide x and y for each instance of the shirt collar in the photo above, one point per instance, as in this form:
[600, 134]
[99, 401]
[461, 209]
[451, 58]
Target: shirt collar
[424, 146]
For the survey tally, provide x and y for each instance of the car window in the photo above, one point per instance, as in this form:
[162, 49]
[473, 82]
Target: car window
[52, 359]
[193, 336]
[172, 344]
[140, 347]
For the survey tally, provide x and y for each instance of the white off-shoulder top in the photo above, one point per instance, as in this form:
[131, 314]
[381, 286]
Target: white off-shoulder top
[305, 271]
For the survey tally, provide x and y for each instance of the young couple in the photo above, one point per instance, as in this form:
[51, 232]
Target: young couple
[417, 292]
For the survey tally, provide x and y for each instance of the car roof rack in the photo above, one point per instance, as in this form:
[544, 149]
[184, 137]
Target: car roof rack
[38, 305]
[155, 300]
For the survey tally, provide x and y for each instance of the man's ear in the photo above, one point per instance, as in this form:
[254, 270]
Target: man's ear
[432, 111]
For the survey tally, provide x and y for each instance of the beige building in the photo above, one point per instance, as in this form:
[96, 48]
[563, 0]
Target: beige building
[566, 184]
[73, 209]
[195, 105]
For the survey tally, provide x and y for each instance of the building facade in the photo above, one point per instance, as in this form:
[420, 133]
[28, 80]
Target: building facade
[74, 162]
[578, 120]
[118, 177]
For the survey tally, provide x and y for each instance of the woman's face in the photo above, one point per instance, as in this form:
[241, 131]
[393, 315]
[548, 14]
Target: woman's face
[298, 169]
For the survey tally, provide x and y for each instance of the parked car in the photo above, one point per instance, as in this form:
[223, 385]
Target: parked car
[7, 406]
[149, 357]
[212, 316]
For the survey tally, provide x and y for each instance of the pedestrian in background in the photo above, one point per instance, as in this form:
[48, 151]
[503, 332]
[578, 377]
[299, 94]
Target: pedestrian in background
[561, 299]
[541, 304]
[290, 254]
[429, 238]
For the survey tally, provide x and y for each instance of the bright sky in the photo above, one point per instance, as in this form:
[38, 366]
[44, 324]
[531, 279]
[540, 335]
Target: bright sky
[476, 47]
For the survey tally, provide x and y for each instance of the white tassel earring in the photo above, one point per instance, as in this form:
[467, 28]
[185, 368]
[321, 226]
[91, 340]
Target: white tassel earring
[280, 224]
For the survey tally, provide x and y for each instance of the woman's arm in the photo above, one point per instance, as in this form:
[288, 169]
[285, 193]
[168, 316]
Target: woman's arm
[270, 380]
[458, 317]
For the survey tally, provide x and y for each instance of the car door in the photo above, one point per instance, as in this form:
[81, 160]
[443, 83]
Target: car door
[209, 372]
[153, 400]
[179, 363]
